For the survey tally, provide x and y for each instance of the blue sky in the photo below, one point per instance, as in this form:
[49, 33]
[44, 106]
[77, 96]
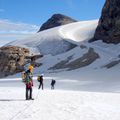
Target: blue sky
[21, 18]
[38, 11]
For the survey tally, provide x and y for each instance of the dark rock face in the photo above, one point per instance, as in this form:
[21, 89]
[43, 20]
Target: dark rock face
[12, 60]
[112, 64]
[56, 20]
[108, 28]
[87, 59]
[33, 59]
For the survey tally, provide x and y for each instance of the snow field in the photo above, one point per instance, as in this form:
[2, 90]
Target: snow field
[59, 105]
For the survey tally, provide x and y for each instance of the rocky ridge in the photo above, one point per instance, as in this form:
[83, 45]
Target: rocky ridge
[108, 28]
[56, 20]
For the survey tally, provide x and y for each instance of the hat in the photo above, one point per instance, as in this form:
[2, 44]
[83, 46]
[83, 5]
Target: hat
[42, 74]
[30, 67]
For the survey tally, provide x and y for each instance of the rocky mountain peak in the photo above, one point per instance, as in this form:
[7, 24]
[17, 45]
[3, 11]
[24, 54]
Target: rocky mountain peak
[56, 20]
[108, 28]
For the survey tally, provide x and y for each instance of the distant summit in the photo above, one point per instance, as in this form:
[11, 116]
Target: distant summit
[56, 20]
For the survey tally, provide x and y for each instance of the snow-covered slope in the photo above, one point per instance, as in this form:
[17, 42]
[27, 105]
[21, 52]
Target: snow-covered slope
[79, 32]
[71, 41]
[46, 42]
[60, 39]
[82, 69]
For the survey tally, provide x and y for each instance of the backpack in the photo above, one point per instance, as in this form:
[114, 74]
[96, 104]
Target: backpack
[23, 75]
[26, 76]
[38, 78]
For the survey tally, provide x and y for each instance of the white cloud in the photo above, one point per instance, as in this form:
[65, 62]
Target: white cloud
[10, 31]
[7, 26]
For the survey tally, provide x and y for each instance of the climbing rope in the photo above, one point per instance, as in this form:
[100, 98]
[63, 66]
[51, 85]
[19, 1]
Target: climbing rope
[22, 110]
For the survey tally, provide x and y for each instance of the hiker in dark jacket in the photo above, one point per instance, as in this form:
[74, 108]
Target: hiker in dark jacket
[53, 84]
[40, 80]
[29, 84]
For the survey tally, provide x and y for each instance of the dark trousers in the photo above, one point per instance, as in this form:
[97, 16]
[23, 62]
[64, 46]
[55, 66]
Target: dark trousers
[28, 93]
[52, 86]
[41, 84]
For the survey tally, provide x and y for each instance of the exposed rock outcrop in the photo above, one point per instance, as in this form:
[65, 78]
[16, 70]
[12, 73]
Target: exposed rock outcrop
[87, 59]
[56, 20]
[33, 59]
[108, 28]
[12, 60]
[112, 64]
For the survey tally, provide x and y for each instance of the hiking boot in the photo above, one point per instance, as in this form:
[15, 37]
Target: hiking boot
[31, 98]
